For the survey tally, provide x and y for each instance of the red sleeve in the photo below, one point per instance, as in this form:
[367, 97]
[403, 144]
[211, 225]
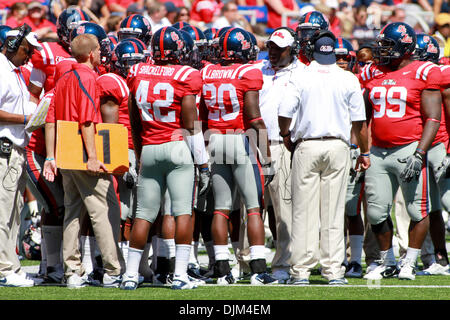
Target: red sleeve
[445, 77]
[252, 78]
[192, 84]
[434, 78]
[37, 60]
[108, 87]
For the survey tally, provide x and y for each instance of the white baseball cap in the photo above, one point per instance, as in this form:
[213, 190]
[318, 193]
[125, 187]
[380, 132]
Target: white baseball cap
[282, 38]
[31, 38]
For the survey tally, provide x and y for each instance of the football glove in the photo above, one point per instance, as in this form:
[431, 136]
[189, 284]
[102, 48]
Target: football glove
[413, 167]
[204, 181]
[443, 171]
[130, 178]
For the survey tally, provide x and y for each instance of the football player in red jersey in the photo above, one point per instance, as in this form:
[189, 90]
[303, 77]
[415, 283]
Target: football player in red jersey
[229, 106]
[114, 108]
[404, 103]
[161, 105]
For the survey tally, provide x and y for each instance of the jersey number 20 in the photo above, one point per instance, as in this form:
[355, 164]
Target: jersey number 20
[218, 106]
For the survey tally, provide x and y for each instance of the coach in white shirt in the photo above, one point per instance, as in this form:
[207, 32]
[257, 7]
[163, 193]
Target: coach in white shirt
[15, 111]
[281, 67]
[328, 104]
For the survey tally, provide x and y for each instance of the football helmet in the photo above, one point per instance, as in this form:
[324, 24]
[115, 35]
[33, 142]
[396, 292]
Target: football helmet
[255, 49]
[135, 26]
[192, 57]
[113, 41]
[395, 42]
[344, 49]
[168, 45]
[3, 30]
[68, 20]
[99, 32]
[180, 25]
[31, 242]
[199, 39]
[308, 24]
[427, 48]
[128, 53]
[235, 44]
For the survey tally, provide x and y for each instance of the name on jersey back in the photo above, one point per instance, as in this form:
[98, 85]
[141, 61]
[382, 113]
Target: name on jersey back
[157, 70]
[219, 74]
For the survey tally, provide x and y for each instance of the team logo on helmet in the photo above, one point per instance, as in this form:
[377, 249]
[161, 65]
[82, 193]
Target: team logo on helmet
[406, 38]
[81, 30]
[177, 39]
[245, 44]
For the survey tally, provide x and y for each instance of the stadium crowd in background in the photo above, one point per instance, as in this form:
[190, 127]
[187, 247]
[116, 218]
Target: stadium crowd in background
[219, 69]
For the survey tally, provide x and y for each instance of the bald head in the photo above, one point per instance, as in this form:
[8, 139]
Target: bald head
[82, 46]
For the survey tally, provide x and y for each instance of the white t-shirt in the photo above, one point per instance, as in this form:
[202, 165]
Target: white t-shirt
[272, 93]
[222, 22]
[14, 98]
[327, 99]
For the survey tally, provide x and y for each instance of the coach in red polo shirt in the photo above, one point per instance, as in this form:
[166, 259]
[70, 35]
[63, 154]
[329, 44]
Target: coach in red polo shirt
[77, 99]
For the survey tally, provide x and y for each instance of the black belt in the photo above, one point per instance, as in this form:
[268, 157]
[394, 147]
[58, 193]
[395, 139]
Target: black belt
[319, 138]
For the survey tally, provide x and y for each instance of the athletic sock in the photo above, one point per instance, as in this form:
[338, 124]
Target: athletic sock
[209, 246]
[411, 255]
[134, 260]
[257, 252]
[181, 259]
[356, 247]
[221, 252]
[388, 256]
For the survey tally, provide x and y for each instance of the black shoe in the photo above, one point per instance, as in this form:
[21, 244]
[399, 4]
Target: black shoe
[163, 279]
[195, 273]
[390, 272]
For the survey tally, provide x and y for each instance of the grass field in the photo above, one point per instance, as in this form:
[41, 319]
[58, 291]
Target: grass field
[423, 288]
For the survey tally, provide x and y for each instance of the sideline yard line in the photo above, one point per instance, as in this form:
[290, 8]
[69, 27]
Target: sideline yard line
[373, 286]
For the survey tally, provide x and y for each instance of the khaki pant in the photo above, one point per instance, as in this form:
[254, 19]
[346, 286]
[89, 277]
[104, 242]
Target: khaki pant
[281, 200]
[96, 194]
[319, 183]
[12, 186]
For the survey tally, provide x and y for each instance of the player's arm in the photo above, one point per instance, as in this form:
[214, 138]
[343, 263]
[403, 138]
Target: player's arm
[431, 102]
[50, 170]
[109, 110]
[136, 125]
[252, 115]
[35, 92]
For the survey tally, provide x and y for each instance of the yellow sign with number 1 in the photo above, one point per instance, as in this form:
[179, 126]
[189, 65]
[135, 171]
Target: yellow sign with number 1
[111, 142]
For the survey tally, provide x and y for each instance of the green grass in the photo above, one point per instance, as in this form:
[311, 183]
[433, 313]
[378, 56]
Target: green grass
[317, 291]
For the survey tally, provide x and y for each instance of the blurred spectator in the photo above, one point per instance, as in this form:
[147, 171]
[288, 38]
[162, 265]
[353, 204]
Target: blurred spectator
[231, 18]
[172, 11]
[100, 9]
[361, 31]
[398, 15]
[205, 11]
[113, 24]
[36, 19]
[347, 19]
[183, 15]
[385, 5]
[364, 55]
[134, 8]
[122, 5]
[156, 15]
[329, 9]
[442, 32]
[17, 14]
[275, 10]
[83, 5]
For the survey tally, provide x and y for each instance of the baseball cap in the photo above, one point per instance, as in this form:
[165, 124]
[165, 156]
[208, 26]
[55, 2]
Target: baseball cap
[442, 19]
[324, 50]
[170, 7]
[35, 4]
[31, 38]
[282, 38]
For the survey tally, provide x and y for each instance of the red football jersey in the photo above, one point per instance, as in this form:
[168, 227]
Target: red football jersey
[114, 86]
[26, 72]
[159, 91]
[396, 100]
[45, 61]
[37, 139]
[442, 134]
[223, 93]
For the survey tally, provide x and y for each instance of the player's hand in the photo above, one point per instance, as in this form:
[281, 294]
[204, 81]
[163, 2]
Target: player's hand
[362, 163]
[95, 167]
[269, 173]
[204, 180]
[413, 167]
[50, 170]
[130, 178]
[443, 172]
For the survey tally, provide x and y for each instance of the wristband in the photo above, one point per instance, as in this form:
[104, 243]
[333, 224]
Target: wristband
[49, 159]
[204, 169]
[255, 119]
[434, 120]
[24, 119]
[365, 154]
[420, 151]
[353, 146]
[284, 136]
